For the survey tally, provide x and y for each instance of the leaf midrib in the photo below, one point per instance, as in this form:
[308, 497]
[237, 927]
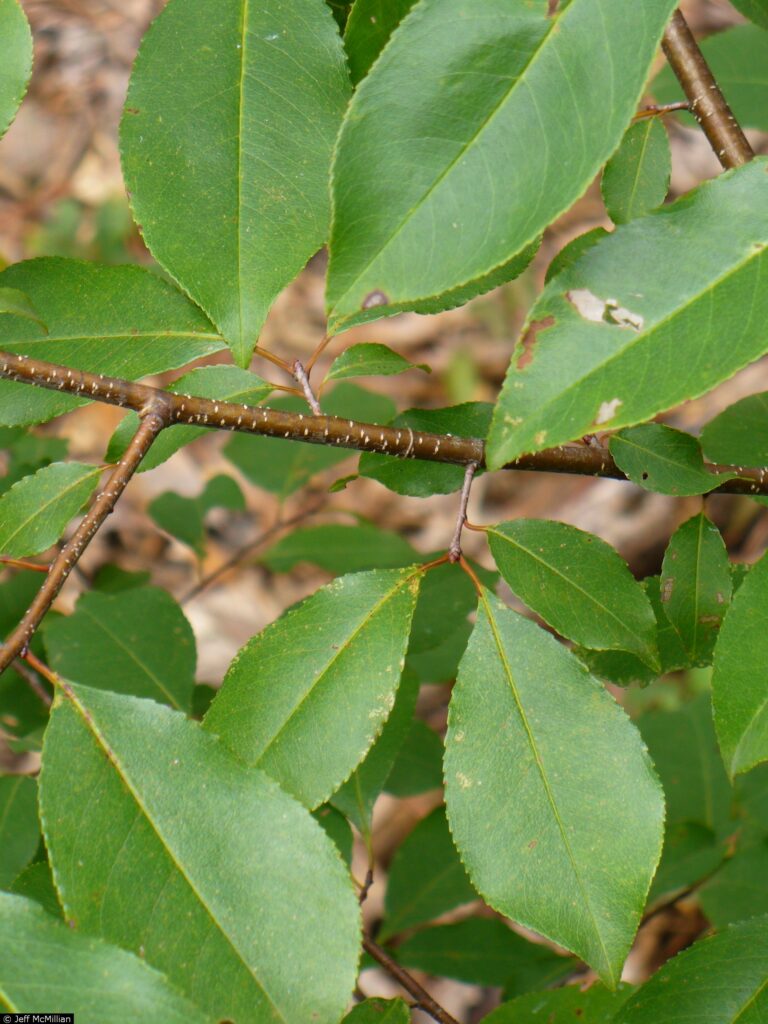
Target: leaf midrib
[750, 1002]
[573, 584]
[694, 471]
[41, 509]
[240, 162]
[112, 757]
[545, 782]
[554, 20]
[11, 799]
[342, 649]
[120, 336]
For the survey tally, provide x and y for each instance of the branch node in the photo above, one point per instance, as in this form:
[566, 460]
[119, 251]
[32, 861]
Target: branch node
[301, 376]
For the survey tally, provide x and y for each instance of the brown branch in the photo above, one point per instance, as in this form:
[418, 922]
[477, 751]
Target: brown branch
[659, 110]
[22, 563]
[409, 983]
[577, 459]
[707, 103]
[155, 415]
[301, 376]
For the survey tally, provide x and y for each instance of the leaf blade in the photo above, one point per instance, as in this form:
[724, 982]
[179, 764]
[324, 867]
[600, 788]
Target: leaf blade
[34, 513]
[597, 353]
[596, 904]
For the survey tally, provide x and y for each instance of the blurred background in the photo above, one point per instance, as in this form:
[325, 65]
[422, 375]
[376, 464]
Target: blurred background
[61, 193]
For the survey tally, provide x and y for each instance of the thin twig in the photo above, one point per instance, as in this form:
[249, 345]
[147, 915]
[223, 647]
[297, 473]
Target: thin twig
[659, 110]
[301, 376]
[22, 563]
[402, 442]
[707, 103]
[251, 548]
[29, 677]
[409, 983]
[155, 416]
[318, 351]
[272, 358]
[454, 551]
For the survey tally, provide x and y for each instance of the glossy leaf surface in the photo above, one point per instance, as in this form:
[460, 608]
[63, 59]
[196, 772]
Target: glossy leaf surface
[577, 583]
[598, 352]
[44, 961]
[570, 858]
[356, 797]
[368, 360]
[231, 116]
[739, 693]
[184, 518]
[596, 1005]
[418, 767]
[222, 383]
[719, 980]
[317, 686]
[661, 459]
[379, 1011]
[15, 60]
[739, 435]
[17, 303]
[19, 827]
[136, 642]
[426, 877]
[35, 512]
[150, 822]
[370, 24]
[440, 178]
[123, 321]
[636, 178]
[483, 951]
[696, 586]
[340, 549]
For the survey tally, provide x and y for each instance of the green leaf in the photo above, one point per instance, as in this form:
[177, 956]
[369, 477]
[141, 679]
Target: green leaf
[570, 857]
[422, 479]
[426, 877]
[572, 252]
[738, 58]
[340, 549]
[418, 767]
[335, 825]
[691, 853]
[739, 435]
[483, 951]
[755, 10]
[696, 586]
[19, 827]
[111, 579]
[369, 26]
[234, 209]
[356, 797]
[739, 692]
[44, 961]
[123, 321]
[184, 518]
[617, 667]
[15, 60]
[671, 651]
[379, 1011]
[36, 883]
[636, 178]
[369, 360]
[282, 467]
[316, 687]
[738, 891]
[222, 383]
[719, 980]
[661, 459]
[134, 642]
[22, 712]
[577, 583]
[684, 750]
[599, 351]
[181, 832]
[441, 178]
[34, 513]
[17, 303]
[595, 1005]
